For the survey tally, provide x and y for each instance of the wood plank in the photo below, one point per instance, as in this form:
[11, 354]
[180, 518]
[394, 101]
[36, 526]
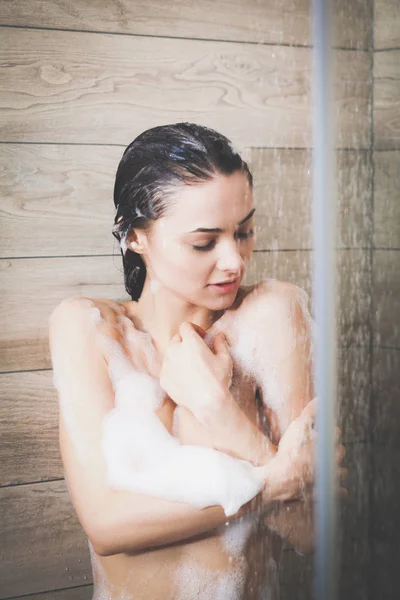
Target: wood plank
[387, 100]
[83, 592]
[387, 199]
[283, 192]
[386, 382]
[58, 199]
[353, 280]
[31, 288]
[354, 393]
[29, 450]
[85, 88]
[385, 520]
[354, 514]
[270, 21]
[386, 294]
[44, 547]
[386, 24]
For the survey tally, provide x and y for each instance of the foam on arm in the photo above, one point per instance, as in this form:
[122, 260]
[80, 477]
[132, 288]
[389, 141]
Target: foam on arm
[142, 456]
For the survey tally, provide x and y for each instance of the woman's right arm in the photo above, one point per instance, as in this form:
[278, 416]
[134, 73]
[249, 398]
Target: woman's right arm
[115, 521]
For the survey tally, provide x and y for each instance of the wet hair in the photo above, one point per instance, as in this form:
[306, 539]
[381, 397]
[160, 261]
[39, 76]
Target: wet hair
[151, 168]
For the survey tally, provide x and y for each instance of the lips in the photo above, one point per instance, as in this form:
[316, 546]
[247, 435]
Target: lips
[225, 282]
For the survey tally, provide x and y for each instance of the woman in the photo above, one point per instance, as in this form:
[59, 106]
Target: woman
[233, 364]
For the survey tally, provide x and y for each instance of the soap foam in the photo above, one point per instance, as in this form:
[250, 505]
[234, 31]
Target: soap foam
[237, 534]
[263, 361]
[194, 582]
[142, 456]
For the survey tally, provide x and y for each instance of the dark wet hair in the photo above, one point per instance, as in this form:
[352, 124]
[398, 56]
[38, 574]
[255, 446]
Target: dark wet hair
[152, 166]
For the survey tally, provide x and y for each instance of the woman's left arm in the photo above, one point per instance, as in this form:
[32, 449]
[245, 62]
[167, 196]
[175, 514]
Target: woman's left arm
[283, 363]
[279, 335]
[280, 332]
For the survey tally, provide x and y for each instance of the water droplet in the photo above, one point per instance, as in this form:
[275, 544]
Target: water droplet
[66, 568]
[85, 577]
[30, 551]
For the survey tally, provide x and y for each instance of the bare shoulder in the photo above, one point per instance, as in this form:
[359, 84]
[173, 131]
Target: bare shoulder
[88, 314]
[274, 318]
[274, 299]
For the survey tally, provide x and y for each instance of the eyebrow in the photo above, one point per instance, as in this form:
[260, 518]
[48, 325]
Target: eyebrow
[218, 229]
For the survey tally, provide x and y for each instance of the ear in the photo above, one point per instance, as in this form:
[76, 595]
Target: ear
[137, 241]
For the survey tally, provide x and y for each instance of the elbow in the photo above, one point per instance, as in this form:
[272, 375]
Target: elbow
[101, 540]
[108, 539]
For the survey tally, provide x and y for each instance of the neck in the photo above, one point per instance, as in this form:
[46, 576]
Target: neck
[161, 312]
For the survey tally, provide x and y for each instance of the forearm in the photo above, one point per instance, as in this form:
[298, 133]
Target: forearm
[133, 522]
[232, 432]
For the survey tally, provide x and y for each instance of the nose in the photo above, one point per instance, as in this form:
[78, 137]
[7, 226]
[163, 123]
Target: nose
[230, 259]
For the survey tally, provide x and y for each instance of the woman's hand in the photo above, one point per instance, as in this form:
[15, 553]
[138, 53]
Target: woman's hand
[294, 522]
[194, 375]
[292, 470]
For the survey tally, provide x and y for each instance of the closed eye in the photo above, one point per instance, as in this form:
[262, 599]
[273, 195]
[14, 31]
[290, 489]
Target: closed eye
[241, 235]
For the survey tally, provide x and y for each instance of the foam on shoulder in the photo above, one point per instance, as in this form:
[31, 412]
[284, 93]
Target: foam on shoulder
[267, 335]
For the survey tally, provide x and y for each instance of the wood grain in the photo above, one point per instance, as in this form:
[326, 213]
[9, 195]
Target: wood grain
[283, 192]
[386, 382]
[354, 393]
[387, 100]
[57, 200]
[84, 88]
[44, 545]
[386, 24]
[29, 449]
[387, 200]
[385, 520]
[386, 294]
[31, 288]
[270, 21]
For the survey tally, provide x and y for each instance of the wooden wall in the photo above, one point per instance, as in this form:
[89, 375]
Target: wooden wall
[385, 300]
[79, 81]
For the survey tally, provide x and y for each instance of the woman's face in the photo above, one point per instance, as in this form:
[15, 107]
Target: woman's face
[186, 259]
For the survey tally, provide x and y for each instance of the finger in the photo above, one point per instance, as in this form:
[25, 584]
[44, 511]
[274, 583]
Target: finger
[340, 453]
[116, 306]
[107, 313]
[342, 473]
[187, 330]
[220, 344]
[176, 339]
[309, 411]
[202, 332]
[338, 433]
